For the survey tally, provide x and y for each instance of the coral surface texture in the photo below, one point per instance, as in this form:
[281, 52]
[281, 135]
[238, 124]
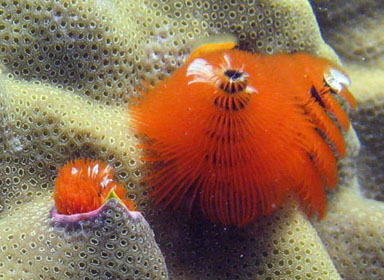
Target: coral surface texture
[69, 70]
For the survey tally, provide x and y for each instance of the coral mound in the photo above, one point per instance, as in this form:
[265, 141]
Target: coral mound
[68, 71]
[114, 244]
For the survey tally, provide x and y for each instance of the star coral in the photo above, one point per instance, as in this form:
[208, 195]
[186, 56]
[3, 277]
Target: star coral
[355, 225]
[69, 68]
[112, 244]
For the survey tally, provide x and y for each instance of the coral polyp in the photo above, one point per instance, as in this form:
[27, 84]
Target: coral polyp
[83, 185]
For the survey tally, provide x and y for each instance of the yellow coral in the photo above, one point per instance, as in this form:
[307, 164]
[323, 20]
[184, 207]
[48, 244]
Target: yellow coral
[87, 57]
[353, 230]
[114, 244]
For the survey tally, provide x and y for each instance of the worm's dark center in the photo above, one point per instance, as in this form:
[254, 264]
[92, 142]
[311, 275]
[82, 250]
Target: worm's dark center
[234, 81]
[233, 74]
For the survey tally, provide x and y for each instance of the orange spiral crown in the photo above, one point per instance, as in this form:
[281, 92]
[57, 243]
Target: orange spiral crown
[83, 185]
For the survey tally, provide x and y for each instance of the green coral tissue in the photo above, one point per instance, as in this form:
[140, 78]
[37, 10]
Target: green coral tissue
[68, 71]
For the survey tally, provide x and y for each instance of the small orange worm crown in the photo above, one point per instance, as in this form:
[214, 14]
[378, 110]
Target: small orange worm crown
[83, 185]
[236, 132]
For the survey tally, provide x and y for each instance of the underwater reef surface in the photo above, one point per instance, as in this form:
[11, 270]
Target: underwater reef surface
[68, 72]
[354, 30]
